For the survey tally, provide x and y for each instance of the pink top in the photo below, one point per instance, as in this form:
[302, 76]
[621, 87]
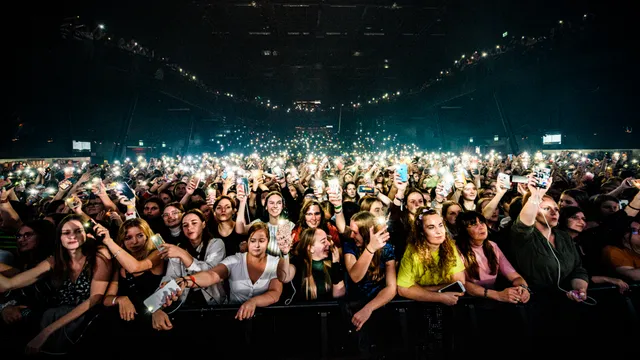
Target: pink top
[486, 279]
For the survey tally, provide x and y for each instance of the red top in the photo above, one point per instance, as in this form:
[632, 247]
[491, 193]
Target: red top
[333, 232]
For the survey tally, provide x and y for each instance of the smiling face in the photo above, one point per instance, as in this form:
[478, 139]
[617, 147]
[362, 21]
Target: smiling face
[223, 210]
[321, 246]
[172, 216]
[274, 206]
[27, 239]
[192, 226]
[135, 240]
[258, 243]
[73, 235]
[313, 216]
[355, 234]
[577, 222]
[469, 192]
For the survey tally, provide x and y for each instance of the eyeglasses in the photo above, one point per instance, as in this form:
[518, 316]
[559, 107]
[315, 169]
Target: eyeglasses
[173, 213]
[312, 214]
[25, 235]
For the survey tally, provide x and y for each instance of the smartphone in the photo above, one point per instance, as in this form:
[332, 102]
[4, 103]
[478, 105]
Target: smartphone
[277, 171]
[457, 287]
[334, 186]
[542, 175]
[519, 179]
[364, 189]
[225, 174]
[157, 241]
[505, 179]
[88, 228]
[127, 192]
[447, 184]
[244, 182]
[155, 301]
[65, 185]
[403, 172]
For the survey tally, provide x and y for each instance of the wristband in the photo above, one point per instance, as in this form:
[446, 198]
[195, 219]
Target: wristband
[193, 280]
[336, 273]
[284, 256]
[526, 288]
[338, 208]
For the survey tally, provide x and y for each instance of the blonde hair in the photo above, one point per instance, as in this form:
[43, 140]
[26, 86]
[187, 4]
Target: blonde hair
[307, 239]
[146, 230]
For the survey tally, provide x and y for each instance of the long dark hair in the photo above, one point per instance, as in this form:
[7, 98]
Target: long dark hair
[265, 212]
[206, 236]
[62, 260]
[45, 233]
[463, 221]
[302, 221]
[446, 250]
[307, 239]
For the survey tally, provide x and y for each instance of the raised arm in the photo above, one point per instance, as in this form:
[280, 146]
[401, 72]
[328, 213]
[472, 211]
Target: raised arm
[24, 278]
[128, 262]
[530, 209]
[99, 284]
[357, 268]
[501, 189]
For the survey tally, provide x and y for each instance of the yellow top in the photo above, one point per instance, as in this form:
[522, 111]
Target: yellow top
[413, 272]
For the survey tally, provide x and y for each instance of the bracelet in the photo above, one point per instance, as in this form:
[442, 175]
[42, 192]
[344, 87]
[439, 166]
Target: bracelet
[8, 303]
[284, 256]
[636, 209]
[116, 253]
[526, 288]
[113, 302]
[193, 280]
[338, 208]
[367, 248]
[486, 292]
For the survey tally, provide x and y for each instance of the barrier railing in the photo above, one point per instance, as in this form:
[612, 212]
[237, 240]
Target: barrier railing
[404, 326]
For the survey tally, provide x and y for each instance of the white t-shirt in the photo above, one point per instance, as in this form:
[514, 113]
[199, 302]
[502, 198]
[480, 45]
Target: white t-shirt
[272, 247]
[242, 289]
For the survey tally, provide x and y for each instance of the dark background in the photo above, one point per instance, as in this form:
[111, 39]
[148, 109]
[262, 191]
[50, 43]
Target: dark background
[581, 83]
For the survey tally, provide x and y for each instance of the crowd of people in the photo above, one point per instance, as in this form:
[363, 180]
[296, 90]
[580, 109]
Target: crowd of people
[256, 231]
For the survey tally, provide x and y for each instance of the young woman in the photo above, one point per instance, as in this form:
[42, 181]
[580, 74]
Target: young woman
[200, 252]
[274, 205]
[141, 267]
[430, 262]
[469, 197]
[538, 246]
[483, 260]
[224, 227]
[315, 268]
[81, 272]
[450, 212]
[252, 275]
[371, 265]
[35, 241]
[624, 258]
[573, 221]
[574, 197]
[350, 192]
[312, 216]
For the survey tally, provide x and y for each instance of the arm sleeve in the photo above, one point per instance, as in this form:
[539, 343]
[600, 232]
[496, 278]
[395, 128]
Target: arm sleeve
[215, 254]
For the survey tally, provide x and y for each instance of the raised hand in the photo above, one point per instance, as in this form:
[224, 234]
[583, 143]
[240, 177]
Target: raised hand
[377, 240]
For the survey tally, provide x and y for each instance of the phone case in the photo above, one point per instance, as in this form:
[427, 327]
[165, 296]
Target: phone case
[154, 302]
[403, 172]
